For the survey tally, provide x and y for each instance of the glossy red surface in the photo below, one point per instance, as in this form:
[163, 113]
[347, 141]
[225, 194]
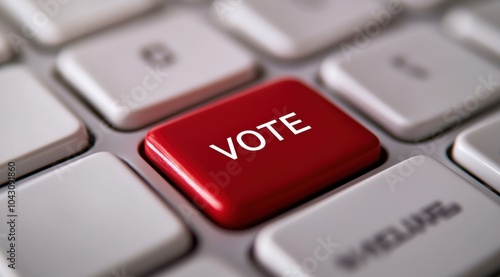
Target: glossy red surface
[237, 193]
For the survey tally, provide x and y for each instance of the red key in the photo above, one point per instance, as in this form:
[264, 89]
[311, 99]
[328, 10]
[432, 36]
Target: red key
[253, 154]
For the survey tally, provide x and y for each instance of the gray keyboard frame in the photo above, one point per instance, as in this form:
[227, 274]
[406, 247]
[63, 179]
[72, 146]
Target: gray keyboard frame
[234, 247]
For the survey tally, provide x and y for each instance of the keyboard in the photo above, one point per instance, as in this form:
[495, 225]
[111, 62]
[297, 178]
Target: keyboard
[249, 138]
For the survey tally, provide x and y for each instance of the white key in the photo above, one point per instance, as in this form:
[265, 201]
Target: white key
[420, 5]
[414, 83]
[201, 267]
[53, 22]
[140, 75]
[6, 51]
[94, 217]
[417, 218]
[478, 150]
[477, 24]
[38, 129]
[291, 29]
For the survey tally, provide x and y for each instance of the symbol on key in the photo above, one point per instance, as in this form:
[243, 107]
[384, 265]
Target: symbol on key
[157, 54]
[409, 68]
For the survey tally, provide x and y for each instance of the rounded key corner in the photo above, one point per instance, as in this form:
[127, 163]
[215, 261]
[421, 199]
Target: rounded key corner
[286, 50]
[104, 155]
[231, 223]
[64, 59]
[79, 129]
[127, 123]
[183, 237]
[51, 37]
[152, 141]
[375, 148]
[262, 245]
[403, 131]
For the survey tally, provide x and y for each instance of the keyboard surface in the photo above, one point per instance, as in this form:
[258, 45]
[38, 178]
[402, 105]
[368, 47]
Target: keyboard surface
[249, 138]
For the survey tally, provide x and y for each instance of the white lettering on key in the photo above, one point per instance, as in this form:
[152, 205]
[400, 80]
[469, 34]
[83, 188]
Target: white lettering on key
[290, 125]
[262, 142]
[232, 154]
[270, 128]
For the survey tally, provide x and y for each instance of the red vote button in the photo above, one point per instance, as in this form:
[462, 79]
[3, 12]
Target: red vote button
[255, 153]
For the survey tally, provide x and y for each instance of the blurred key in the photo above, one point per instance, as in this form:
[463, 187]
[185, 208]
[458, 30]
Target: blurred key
[414, 219]
[141, 74]
[94, 217]
[37, 129]
[415, 83]
[478, 150]
[201, 267]
[295, 28]
[6, 51]
[53, 22]
[477, 23]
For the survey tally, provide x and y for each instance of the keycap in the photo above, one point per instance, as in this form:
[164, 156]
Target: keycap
[54, 22]
[6, 51]
[477, 150]
[421, 5]
[415, 82]
[93, 217]
[253, 154]
[201, 267]
[297, 28]
[38, 129]
[144, 73]
[416, 218]
[477, 24]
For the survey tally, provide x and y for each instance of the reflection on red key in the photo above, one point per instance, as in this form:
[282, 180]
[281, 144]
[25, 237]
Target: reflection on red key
[255, 153]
